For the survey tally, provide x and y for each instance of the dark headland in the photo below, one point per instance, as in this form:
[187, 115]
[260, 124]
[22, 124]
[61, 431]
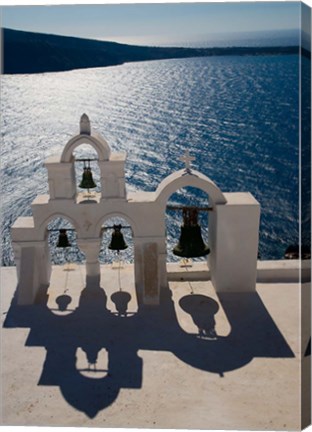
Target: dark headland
[27, 52]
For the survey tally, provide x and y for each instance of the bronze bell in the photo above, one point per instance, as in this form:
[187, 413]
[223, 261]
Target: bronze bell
[87, 181]
[63, 241]
[191, 244]
[117, 241]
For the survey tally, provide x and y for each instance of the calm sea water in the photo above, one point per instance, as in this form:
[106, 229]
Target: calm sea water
[237, 115]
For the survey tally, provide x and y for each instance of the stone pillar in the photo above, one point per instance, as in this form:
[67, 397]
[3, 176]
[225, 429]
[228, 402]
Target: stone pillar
[138, 269]
[17, 258]
[151, 274]
[28, 284]
[91, 249]
[113, 176]
[61, 178]
[162, 262]
[147, 270]
[33, 269]
[44, 262]
[233, 239]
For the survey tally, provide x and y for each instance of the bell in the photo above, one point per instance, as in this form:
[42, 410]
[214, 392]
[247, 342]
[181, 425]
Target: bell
[87, 181]
[191, 244]
[117, 242]
[63, 241]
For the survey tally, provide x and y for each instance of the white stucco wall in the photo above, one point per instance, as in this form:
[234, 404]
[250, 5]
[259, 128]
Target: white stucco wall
[234, 236]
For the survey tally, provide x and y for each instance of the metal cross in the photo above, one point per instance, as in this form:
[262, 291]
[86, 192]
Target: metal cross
[187, 159]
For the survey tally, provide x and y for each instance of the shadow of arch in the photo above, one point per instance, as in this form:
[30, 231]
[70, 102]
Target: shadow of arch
[217, 356]
[89, 395]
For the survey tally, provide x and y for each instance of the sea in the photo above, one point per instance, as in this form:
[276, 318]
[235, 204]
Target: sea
[237, 115]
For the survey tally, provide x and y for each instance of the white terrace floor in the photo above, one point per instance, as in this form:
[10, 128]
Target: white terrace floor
[154, 369]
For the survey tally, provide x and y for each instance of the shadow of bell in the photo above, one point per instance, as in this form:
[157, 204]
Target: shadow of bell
[121, 300]
[202, 310]
[63, 301]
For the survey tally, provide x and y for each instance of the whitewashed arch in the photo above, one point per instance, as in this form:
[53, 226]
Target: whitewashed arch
[43, 227]
[95, 140]
[182, 179]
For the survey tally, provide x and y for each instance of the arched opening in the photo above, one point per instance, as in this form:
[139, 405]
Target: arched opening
[198, 309]
[207, 194]
[87, 173]
[187, 197]
[67, 276]
[62, 255]
[117, 273]
[180, 179]
[96, 141]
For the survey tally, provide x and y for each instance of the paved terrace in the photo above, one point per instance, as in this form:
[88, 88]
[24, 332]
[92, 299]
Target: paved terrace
[199, 361]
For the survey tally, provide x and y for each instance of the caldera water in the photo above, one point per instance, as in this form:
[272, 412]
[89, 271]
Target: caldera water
[237, 115]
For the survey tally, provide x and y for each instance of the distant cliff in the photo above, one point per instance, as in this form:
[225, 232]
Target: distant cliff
[26, 52]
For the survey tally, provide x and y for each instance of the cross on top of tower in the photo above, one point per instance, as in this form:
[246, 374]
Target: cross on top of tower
[187, 159]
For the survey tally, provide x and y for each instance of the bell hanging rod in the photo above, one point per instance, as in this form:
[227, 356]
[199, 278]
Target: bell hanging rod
[86, 160]
[112, 227]
[73, 229]
[58, 229]
[204, 209]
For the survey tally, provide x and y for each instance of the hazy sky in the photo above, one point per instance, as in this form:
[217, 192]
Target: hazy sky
[152, 23]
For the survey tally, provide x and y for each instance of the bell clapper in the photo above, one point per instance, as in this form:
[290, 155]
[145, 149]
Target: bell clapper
[66, 269]
[190, 285]
[118, 263]
[68, 265]
[66, 281]
[186, 262]
[119, 267]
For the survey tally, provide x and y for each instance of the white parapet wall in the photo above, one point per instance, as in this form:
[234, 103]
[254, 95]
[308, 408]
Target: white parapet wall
[198, 271]
[234, 236]
[284, 271]
[279, 271]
